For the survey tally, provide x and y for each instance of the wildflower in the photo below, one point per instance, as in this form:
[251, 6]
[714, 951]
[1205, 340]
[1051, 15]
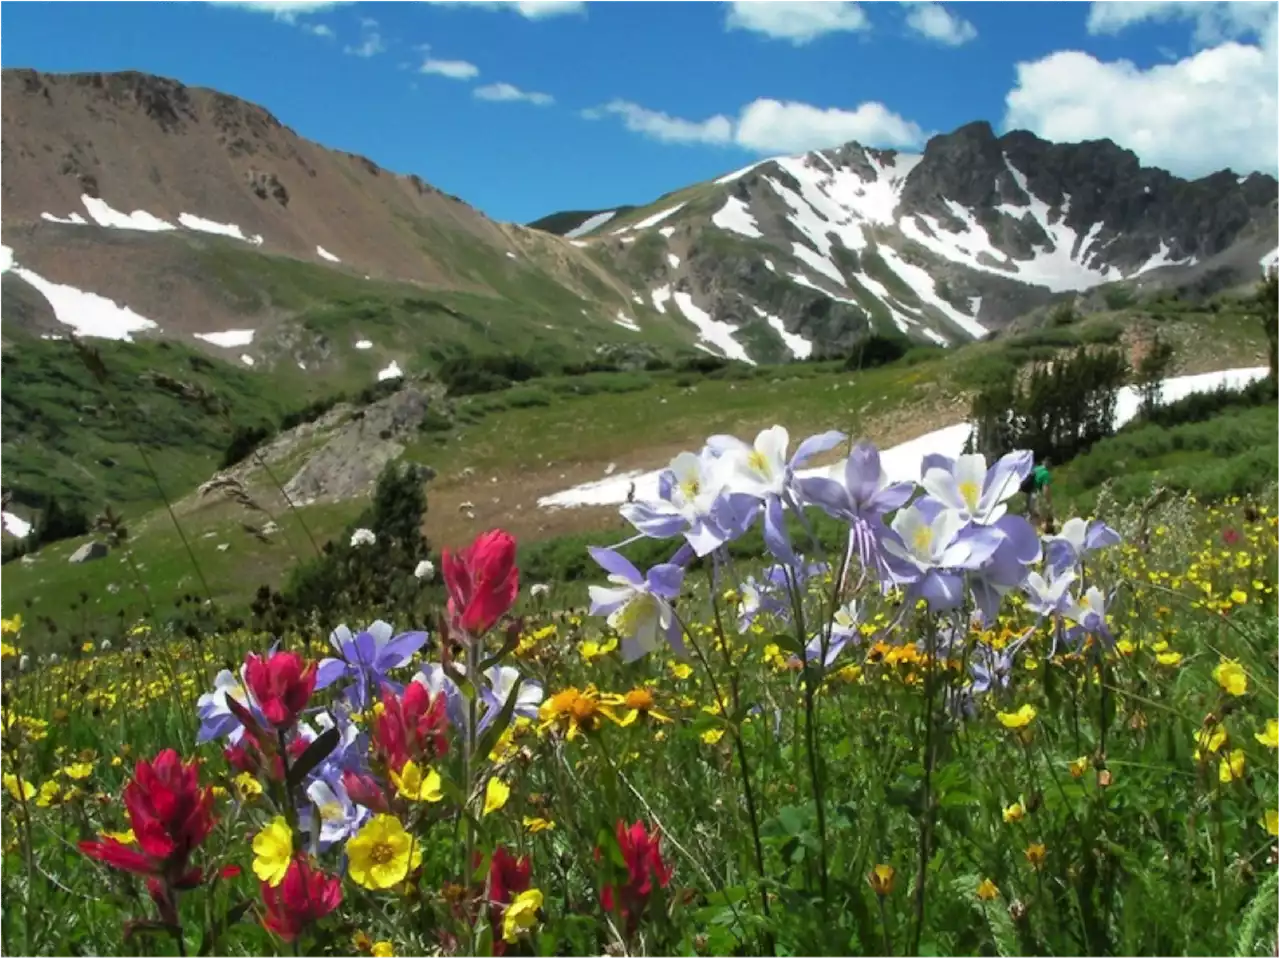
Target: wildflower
[572, 710]
[680, 670]
[304, 895]
[590, 650]
[1231, 766]
[7, 651]
[381, 949]
[1239, 597]
[1035, 854]
[1078, 767]
[411, 726]
[482, 581]
[762, 472]
[1271, 822]
[281, 684]
[1049, 598]
[987, 890]
[521, 916]
[1090, 613]
[927, 546]
[689, 503]
[412, 784]
[273, 851]
[125, 837]
[425, 571]
[1231, 676]
[496, 794]
[340, 817]
[539, 591]
[1169, 658]
[1013, 813]
[1209, 740]
[638, 606]
[881, 879]
[11, 625]
[216, 718]
[1067, 549]
[1019, 719]
[536, 824]
[77, 770]
[367, 658]
[502, 682]
[19, 789]
[713, 736]
[247, 785]
[1270, 736]
[640, 703]
[643, 858]
[171, 816]
[508, 880]
[363, 537]
[382, 854]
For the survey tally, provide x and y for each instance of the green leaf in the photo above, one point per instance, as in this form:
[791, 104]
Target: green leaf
[490, 737]
[314, 755]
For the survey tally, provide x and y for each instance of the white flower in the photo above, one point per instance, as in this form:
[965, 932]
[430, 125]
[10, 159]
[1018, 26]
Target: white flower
[539, 589]
[425, 571]
[104, 645]
[53, 659]
[24, 663]
[363, 537]
[503, 679]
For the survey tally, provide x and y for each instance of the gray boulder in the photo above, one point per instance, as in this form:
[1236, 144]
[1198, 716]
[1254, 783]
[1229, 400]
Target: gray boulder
[88, 552]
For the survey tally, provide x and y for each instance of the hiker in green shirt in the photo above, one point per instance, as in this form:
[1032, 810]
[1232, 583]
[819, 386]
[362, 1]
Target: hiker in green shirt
[1037, 482]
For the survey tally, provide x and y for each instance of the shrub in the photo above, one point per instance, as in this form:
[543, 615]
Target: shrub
[877, 349]
[244, 440]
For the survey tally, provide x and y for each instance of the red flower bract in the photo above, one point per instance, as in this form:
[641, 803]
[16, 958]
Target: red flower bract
[411, 726]
[170, 815]
[482, 580]
[508, 877]
[305, 895]
[281, 684]
[643, 857]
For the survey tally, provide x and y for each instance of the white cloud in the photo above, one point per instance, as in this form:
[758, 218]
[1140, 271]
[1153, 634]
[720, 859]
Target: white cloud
[370, 45]
[286, 10]
[318, 30]
[935, 22]
[506, 92]
[1214, 22]
[799, 21]
[453, 69]
[666, 128]
[529, 9]
[772, 126]
[1215, 109]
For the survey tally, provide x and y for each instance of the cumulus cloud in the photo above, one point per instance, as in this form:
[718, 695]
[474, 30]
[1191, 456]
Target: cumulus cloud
[1213, 22]
[286, 10]
[370, 45]
[1214, 109]
[935, 22]
[318, 30]
[798, 21]
[772, 126]
[529, 9]
[453, 69]
[508, 93]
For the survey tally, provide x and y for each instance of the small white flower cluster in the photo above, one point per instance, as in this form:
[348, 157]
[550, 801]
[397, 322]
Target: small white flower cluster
[425, 571]
[363, 537]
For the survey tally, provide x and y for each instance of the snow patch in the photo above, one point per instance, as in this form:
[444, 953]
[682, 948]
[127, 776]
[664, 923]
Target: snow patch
[818, 262]
[193, 222]
[228, 338]
[637, 298]
[103, 215]
[364, 344]
[730, 177]
[900, 463]
[511, 255]
[735, 216]
[392, 372]
[768, 264]
[715, 332]
[626, 322]
[1271, 259]
[6, 258]
[246, 359]
[666, 231]
[922, 284]
[673, 260]
[800, 347]
[579, 243]
[326, 255]
[74, 219]
[936, 337]
[15, 525]
[590, 223]
[649, 221]
[660, 297]
[87, 313]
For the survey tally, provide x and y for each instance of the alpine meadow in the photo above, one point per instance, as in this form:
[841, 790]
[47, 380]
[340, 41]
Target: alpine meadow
[822, 498]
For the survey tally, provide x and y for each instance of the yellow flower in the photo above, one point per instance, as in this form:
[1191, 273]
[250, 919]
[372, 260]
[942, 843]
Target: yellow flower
[126, 838]
[77, 770]
[1231, 677]
[591, 650]
[11, 625]
[522, 915]
[640, 703]
[247, 785]
[86, 648]
[412, 784]
[1125, 647]
[19, 789]
[881, 879]
[382, 948]
[713, 736]
[1013, 813]
[1231, 766]
[571, 711]
[382, 854]
[1170, 658]
[1239, 597]
[50, 794]
[1078, 767]
[680, 670]
[1270, 737]
[1209, 740]
[1271, 822]
[1018, 720]
[272, 850]
[987, 890]
[116, 762]
[7, 651]
[1035, 854]
[536, 824]
[496, 794]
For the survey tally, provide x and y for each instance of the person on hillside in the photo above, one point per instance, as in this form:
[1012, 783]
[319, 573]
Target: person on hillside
[1036, 486]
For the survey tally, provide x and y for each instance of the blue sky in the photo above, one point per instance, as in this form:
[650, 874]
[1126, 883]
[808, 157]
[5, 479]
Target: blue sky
[526, 108]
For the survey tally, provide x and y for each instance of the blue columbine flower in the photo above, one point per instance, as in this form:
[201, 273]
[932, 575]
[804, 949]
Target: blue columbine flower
[1068, 548]
[217, 721]
[501, 681]
[928, 547]
[638, 605]
[966, 485]
[366, 658]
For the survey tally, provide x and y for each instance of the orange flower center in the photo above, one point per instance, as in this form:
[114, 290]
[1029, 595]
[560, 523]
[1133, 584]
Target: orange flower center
[640, 699]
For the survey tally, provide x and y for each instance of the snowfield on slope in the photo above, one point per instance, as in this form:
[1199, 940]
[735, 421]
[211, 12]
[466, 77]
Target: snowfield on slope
[87, 313]
[227, 338]
[901, 462]
[590, 223]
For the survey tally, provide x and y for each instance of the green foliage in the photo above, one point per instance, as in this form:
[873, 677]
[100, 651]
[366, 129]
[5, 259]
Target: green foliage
[877, 349]
[1152, 370]
[244, 440]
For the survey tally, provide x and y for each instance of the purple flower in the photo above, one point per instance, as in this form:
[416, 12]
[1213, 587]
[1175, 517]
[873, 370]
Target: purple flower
[928, 547]
[638, 605]
[763, 472]
[966, 485]
[1049, 597]
[1007, 567]
[340, 817]
[1067, 549]
[691, 503]
[367, 658]
[1089, 614]
[990, 667]
[217, 721]
[501, 681]
[757, 599]
[844, 630]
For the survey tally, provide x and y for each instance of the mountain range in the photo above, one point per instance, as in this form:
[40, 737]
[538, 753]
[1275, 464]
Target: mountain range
[137, 207]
